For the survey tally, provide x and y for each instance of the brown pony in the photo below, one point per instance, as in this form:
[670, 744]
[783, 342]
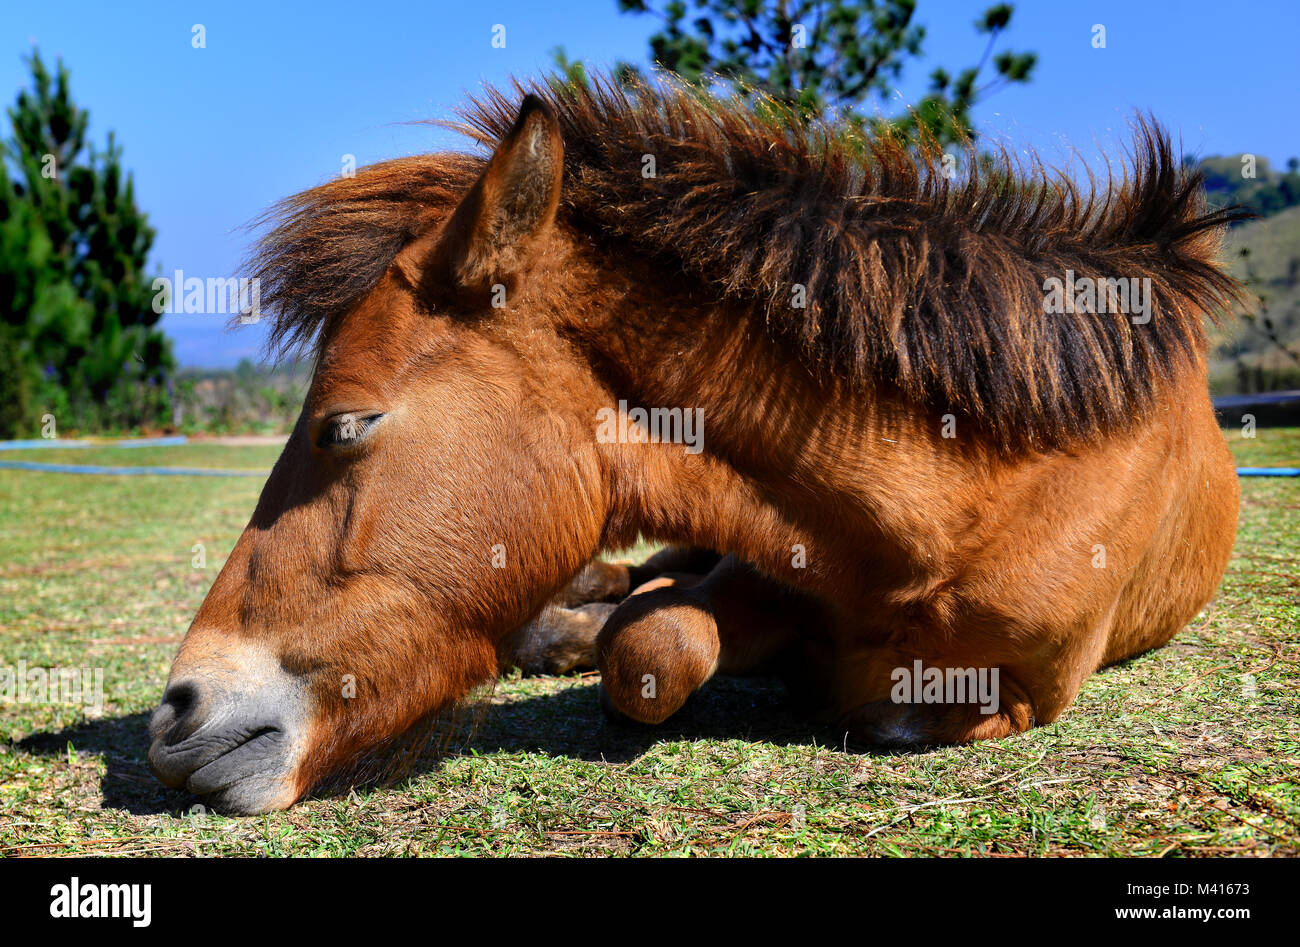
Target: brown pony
[911, 462]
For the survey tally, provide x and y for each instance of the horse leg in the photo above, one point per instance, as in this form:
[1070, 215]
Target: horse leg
[898, 723]
[601, 581]
[1172, 573]
[559, 640]
[934, 690]
[671, 636]
[562, 638]
[675, 633]
[689, 560]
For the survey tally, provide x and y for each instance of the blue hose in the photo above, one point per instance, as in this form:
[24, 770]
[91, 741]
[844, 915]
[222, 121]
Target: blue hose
[55, 442]
[127, 471]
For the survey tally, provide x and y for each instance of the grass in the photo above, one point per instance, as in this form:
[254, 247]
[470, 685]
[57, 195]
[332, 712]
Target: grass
[1193, 749]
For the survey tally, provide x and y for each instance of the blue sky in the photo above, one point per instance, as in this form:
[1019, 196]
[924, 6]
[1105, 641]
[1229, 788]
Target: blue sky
[283, 90]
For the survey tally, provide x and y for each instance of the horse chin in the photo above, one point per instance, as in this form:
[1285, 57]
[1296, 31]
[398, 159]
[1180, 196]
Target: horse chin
[254, 796]
[236, 738]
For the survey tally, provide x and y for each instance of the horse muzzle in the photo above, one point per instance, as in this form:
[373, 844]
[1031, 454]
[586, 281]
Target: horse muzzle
[233, 733]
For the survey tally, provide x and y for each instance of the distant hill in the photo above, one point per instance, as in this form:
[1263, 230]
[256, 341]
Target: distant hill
[1246, 355]
[1266, 192]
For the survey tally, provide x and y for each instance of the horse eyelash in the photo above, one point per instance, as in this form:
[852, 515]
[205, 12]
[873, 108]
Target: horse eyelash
[354, 426]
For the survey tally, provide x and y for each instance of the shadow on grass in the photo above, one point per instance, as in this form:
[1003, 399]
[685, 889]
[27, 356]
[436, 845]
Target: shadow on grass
[568, 722]
[123, 742]
[571, 723]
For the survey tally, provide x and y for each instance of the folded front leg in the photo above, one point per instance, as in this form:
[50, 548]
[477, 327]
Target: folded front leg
[562, 638]
[673, 634]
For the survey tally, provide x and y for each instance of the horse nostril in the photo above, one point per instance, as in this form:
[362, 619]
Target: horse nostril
[182, 697]
[172, 719]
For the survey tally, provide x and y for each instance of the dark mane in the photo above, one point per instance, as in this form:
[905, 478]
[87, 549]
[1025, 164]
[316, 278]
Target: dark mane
[930, 284]
[330, 245]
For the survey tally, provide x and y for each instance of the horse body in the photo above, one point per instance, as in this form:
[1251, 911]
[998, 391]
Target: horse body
[901, 478]
[915, 546]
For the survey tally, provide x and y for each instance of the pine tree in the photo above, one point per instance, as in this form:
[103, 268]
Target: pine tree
[73, 251]
[828, 58]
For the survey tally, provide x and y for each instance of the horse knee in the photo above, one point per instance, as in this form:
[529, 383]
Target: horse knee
[597, 581]
[654, 651]
[559, 640]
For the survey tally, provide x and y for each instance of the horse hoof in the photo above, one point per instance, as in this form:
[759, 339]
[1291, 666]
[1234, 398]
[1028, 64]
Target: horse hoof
[654, 651]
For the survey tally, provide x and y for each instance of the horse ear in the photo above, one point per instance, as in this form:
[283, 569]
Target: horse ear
[493, 235]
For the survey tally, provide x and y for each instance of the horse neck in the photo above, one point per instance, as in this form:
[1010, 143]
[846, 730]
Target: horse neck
[787, 459]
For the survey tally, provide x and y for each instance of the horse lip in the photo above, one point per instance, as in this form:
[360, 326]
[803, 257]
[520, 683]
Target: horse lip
[208, 761]
[260, 753]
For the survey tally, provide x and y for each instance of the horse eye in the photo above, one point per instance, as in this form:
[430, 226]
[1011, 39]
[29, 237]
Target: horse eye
[346, 430]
